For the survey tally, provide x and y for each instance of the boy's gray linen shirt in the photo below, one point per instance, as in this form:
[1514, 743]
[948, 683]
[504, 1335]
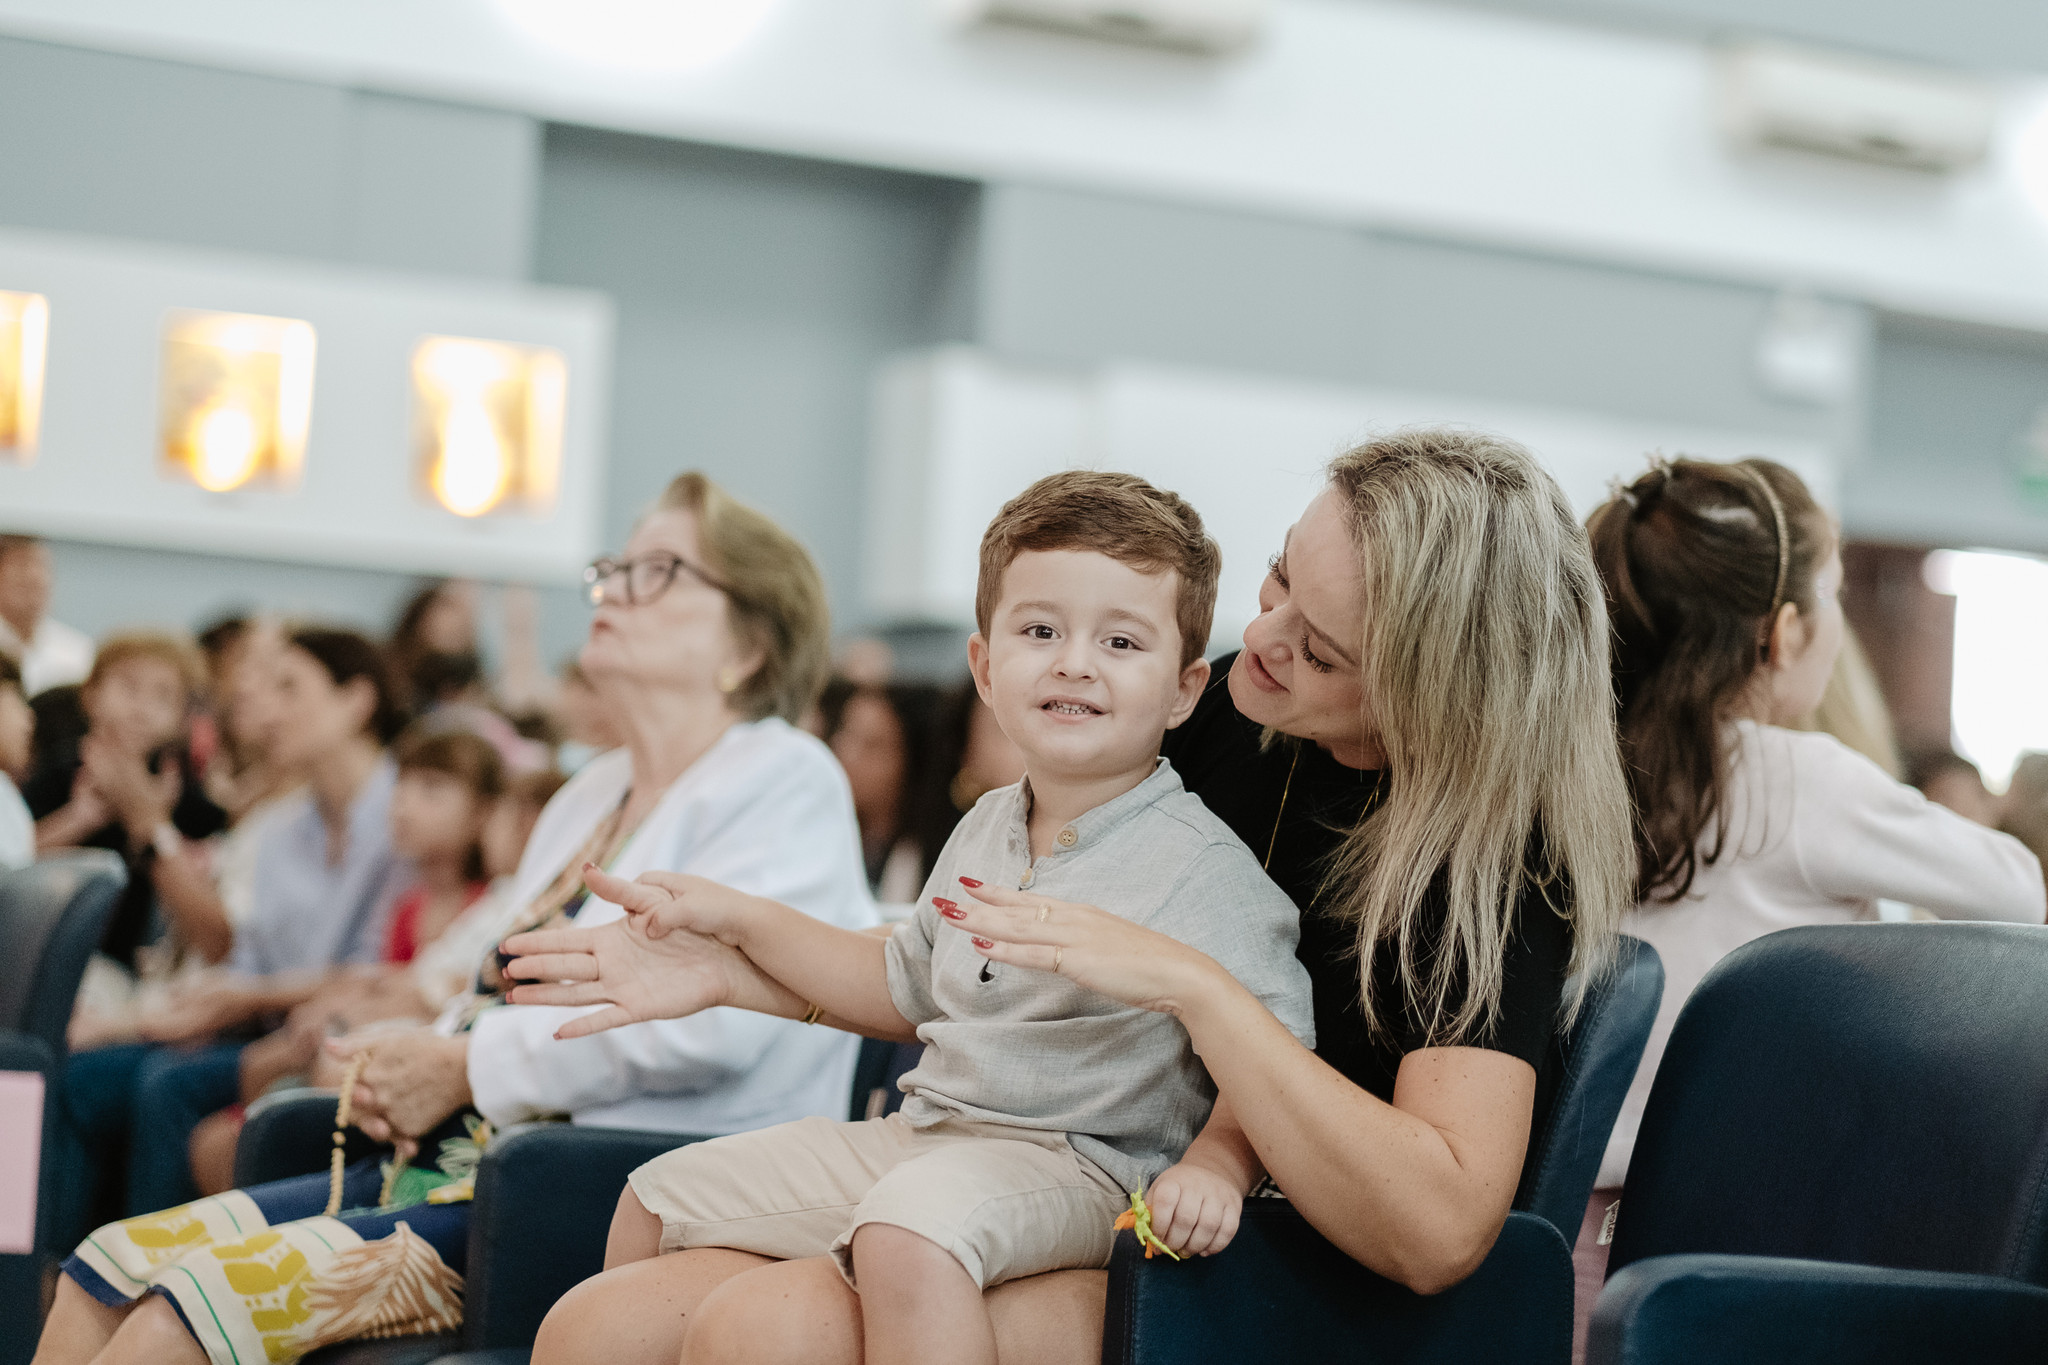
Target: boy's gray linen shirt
[1034, 1050]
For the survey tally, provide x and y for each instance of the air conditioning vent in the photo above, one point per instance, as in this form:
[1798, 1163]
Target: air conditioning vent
[1210, 26]
[1897, 115]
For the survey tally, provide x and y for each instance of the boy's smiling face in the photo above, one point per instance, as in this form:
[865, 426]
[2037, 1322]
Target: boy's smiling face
[1082, 663]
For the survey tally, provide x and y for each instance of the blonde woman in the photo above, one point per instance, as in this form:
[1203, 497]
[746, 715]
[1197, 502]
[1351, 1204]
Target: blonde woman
[1418, 740]
[709, 637]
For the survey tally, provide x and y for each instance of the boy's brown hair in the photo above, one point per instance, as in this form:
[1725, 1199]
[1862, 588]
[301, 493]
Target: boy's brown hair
[1119, 515]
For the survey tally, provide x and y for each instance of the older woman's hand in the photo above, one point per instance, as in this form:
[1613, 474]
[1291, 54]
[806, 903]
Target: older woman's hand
[413, 1081]
[1086, 945]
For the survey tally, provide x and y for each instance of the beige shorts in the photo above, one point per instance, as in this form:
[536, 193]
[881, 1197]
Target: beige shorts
[1006, 1202]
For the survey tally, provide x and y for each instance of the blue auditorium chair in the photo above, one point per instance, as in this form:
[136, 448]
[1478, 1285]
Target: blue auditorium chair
[1844, 1158]
[52, 914]
[1282, 1292]
[559, 1177]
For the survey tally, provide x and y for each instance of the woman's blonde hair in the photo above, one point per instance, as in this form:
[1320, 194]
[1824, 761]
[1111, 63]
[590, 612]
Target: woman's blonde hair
[777, 598]
[1485, 666]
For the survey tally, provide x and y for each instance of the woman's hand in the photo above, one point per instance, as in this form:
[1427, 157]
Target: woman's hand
[198, 1012]
[617, 965]
[659, 902]
[413, 1081]
[1090, 947]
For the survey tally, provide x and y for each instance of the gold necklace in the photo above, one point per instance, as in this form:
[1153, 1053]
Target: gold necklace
[1285, 788]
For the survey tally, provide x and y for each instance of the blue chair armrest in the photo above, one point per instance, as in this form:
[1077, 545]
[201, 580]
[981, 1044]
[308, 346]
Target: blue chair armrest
[544, 1201]
[1752, 1310]
[290, 1132]
[1281, 1291]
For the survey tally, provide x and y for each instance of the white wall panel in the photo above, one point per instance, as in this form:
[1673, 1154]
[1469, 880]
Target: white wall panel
[96, 476]
[963, 432]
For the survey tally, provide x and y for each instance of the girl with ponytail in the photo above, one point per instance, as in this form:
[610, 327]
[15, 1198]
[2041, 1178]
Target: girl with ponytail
[1723, 583]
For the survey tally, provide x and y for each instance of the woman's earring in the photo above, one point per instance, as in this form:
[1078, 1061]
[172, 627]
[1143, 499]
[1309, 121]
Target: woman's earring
[728, 680]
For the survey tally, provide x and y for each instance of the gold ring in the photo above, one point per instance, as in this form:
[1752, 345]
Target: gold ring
[1056, 960]
[1044, 913]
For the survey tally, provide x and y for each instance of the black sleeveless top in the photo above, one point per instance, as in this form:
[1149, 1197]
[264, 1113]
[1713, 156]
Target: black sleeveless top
[1216, 752]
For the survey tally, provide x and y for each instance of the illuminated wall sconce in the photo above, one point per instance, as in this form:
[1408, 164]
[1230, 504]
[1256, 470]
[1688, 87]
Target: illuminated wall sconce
[237, 394]
[487, 424]
[24, 342]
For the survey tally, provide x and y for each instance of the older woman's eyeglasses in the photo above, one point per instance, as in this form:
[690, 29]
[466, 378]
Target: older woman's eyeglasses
[640, 579]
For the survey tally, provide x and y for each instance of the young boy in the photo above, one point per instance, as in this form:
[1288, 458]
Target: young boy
[17, 744]
[1038, 1105]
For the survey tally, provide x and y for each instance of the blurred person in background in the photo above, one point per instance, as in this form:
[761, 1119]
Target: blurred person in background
[131, 788]
[2024, 811]
[447, 787]
[17, 750]
[709, 635]
[48, 652]
[882, 736]
[436, 622]
[1723, 584]
[1946, 778]
[324, 878]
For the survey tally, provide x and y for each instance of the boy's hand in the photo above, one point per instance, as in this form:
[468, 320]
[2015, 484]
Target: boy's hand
[1194, 1209]
[658, 902]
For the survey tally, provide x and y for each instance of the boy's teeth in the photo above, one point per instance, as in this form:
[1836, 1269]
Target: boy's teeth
[1067, 708]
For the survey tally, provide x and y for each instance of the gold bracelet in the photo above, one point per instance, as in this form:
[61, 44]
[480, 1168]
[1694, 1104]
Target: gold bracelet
[814, 1014]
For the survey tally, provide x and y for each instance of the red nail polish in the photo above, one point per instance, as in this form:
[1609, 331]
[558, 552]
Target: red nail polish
[969, 881]
[983, 943]
[953, 912]
[943, 903]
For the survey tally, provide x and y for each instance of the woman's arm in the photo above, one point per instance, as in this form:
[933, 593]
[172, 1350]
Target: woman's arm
[1416, 1190]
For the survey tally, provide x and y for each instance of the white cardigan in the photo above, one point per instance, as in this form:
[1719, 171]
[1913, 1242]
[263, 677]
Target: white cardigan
[767, 811]
[1817, 834]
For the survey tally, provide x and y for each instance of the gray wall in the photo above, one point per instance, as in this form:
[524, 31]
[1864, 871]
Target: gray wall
[755, 296]
[1954, 415]
[1072, 277]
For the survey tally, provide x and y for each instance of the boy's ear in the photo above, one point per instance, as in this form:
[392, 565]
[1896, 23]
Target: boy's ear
[1193, 679]
[977, 664]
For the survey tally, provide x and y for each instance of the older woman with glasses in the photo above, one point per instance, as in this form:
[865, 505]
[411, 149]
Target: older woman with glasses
[709, 637]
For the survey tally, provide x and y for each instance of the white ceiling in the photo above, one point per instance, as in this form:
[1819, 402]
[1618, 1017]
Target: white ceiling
[1458, 122]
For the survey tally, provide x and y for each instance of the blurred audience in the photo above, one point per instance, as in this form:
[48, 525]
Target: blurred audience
[48, 652]
[17, 750]
[324, 878]
[447, 787]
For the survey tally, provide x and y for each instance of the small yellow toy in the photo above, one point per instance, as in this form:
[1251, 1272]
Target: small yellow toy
[1138, 1219]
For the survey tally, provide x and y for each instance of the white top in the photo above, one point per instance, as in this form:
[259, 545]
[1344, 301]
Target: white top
[767, 811]
[1817, 835]
[17, 827]
[54, 656]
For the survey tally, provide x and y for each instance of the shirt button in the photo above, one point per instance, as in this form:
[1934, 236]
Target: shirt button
[1068, 838]
[1026, 879]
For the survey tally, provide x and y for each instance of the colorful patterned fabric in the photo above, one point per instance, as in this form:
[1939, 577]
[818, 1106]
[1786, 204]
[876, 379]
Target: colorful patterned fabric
[262, 1275]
